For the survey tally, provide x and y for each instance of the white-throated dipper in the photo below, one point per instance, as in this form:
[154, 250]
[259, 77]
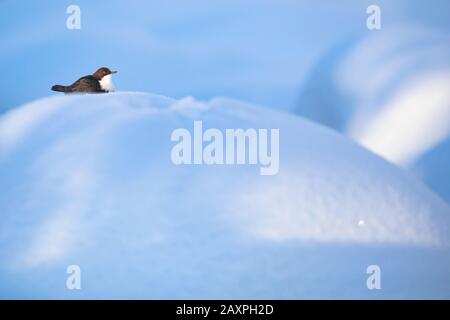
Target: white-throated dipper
[100, 81]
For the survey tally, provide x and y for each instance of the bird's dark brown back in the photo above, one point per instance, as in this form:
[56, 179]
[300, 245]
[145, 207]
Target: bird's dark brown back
[86, 84]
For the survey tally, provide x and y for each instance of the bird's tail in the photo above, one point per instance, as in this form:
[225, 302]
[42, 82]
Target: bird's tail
[60, 88]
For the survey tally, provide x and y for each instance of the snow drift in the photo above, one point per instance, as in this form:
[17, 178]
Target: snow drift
[389, 92]
[88, 180]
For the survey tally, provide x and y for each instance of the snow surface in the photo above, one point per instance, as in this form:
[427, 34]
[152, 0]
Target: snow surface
[88, 180]
[389, 92]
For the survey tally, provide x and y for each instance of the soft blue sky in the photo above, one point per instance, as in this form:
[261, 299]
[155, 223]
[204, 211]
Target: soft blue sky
[259, 51]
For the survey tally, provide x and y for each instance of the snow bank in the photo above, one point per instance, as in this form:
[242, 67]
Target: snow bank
[389, 92]
[88, 180]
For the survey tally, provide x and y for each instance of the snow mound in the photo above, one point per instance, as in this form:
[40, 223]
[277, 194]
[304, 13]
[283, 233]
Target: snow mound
[389, 92]
[88, 180]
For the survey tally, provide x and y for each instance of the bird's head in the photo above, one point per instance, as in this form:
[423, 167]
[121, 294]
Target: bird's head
[102, 72]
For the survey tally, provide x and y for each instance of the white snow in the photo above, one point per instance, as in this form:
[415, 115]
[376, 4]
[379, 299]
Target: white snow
[411, 123]
[402, 100]
[389, 92]
[87, 180]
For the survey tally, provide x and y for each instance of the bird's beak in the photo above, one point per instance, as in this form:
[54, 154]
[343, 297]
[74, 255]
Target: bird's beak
[113, 71]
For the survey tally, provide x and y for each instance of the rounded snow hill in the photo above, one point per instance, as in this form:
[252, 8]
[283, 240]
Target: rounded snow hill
[389, 92]
[88, 180]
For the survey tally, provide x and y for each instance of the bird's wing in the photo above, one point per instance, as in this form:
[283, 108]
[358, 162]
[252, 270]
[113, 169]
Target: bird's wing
[87, 84]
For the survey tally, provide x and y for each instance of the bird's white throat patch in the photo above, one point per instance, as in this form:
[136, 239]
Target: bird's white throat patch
[106, 83]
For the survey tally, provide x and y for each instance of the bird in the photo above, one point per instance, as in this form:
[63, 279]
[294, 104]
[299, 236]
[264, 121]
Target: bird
[99, 82]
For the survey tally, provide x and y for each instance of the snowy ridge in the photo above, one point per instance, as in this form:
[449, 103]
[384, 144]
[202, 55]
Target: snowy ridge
[389, 92]
[88, 180]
